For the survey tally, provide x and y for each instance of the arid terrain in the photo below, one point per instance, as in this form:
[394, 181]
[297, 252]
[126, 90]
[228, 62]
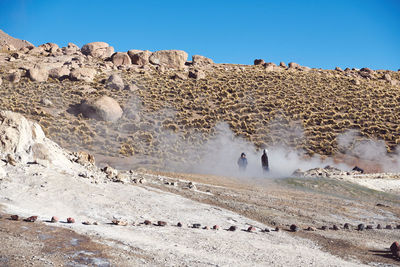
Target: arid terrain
[166, 132]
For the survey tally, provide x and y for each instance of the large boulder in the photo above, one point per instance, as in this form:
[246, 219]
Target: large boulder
[115, 82]
[139, 57]
[120, 59]
[38, 74]
[83, 74]
[201, 61]
[170, 58]
[60, 73]
[23, 141]
[104, 108]
[49, 47]
[97, 49]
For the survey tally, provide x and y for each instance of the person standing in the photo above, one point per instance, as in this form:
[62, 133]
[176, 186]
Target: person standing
[264, 161]
[242, 162]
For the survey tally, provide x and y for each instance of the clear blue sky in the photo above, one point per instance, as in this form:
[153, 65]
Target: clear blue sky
[325, 34]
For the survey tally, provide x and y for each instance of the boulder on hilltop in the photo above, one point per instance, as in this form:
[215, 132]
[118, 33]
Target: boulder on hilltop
[98, 49]
[120, 59]
[201, 61]
[103, 108]
[175, 59]
[139, 57]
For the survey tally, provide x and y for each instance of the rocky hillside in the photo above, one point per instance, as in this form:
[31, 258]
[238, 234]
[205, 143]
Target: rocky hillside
[158, 105]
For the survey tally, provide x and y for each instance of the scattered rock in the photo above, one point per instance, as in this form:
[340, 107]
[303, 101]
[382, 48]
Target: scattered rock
[269, 66]
[49, 47]
[103, 108]
[259, 62]
[83, 74]
[170, 58]
[294, 228]
[356, 82]
[206, 228]
[334, 227]
[86, 223]
[369, 227]
[31, 219]
[147, 222]
[38, 74]
[398, 226]
[191, 185]
[387, 77]
[139, 57]
[197, 74]
[310, 228]
[179, 224]
[70, 220]
[1, 81]
[389, 227]
[357, 169]
[110, 171]
[84, 158]
[282, 64]
[120, 59]
[339, 69]
[216, 227]
[293, 65]
[346, 226]
[232, 228]
[14, 77]
[97, 49]
[251, 229]
[395, 249]
[324, 227]
[161, 223]
[179, 76]
[360, 227]
[131, 87]
[119, 222]
[59, 73]
[379, 226]
[14, 217]
[115, 82]
[46, 102]
[201, 61]
[54, 219]
[196, 225]
[11, 160]
[266, 230]
[277, 229]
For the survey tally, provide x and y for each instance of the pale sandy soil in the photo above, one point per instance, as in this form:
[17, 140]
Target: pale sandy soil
[35, 190]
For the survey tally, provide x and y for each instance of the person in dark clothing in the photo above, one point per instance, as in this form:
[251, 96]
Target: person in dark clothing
[242, 162]
[264, 161]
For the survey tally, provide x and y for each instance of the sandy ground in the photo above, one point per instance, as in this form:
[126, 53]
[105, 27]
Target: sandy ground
[36, 190]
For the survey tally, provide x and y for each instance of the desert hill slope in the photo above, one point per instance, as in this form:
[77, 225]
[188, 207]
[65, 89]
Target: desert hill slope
[171, 108]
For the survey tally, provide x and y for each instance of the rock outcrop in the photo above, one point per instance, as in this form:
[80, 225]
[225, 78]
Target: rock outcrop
[24, 141]
[201, 61]
[139, 57]
[120, 59]
[38, 74]
[103, 108]
[83, 74]
[175, 59]
[98, 49]
[115, 82]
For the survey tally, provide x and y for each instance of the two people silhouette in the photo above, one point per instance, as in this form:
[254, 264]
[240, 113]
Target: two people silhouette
[242, 161]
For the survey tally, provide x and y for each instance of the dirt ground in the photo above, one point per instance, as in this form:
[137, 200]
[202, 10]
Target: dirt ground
[277, 203]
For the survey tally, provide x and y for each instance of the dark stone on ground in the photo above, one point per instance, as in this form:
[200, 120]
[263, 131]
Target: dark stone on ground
[161, 223]
[147, 222]
[196, 225]
[232, 228]
[14, 217]
[294, 228]
[31, 219]
[360, 227]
